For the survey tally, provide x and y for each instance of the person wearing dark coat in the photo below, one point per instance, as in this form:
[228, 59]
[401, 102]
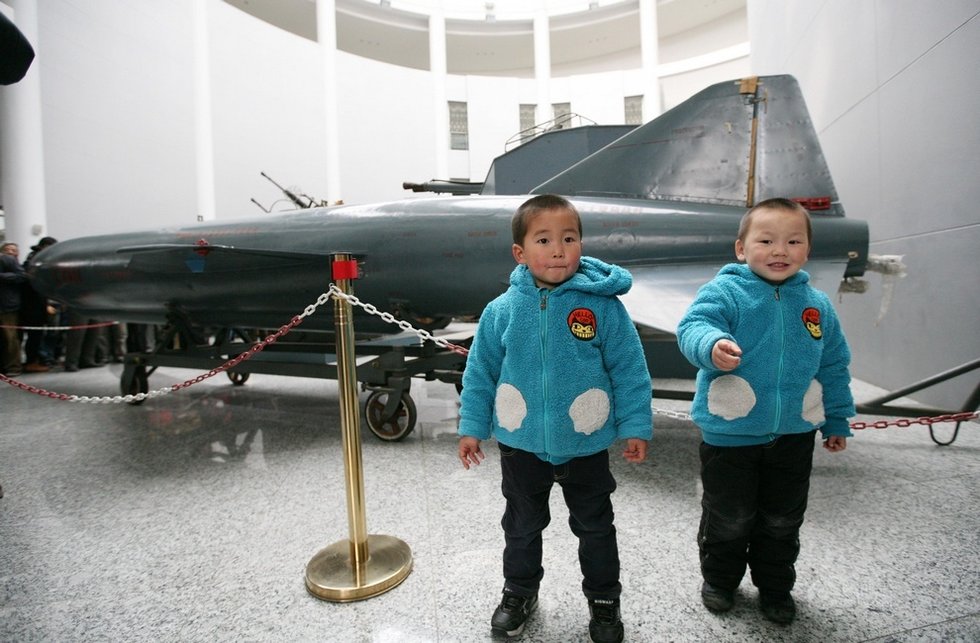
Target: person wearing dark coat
[35, 312]
[12, 280]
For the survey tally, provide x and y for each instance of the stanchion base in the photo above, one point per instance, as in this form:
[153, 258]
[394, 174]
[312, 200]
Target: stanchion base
[330, 574]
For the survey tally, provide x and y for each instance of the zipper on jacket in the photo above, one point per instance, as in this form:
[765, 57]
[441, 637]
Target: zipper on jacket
[779, 369]
[543, 338]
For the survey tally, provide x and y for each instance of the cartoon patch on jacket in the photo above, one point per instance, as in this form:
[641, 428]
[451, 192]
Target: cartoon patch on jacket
[582, 323]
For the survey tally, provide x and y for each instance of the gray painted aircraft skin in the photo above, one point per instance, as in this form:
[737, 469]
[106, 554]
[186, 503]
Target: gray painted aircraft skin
[663, 201]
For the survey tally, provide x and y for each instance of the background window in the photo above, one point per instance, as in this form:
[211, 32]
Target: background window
[527, 120]
[562, 114]
[459, 132]
[633, 107]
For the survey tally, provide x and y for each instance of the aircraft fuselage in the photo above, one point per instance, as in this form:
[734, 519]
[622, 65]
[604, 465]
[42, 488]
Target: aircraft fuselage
[432, 258]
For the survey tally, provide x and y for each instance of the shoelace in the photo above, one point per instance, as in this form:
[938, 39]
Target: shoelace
[604, 612]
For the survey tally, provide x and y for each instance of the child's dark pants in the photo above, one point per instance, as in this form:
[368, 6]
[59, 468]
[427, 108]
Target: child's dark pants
[751, 511]
[587, 485]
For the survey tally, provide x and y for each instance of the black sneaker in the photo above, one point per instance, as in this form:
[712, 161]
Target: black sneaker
[778, 607]
[717, 599]
[511, 615]
[605, 625]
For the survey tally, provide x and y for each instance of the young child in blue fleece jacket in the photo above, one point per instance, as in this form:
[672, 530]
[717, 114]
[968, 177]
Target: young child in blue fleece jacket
[773, 368]
[556, 374]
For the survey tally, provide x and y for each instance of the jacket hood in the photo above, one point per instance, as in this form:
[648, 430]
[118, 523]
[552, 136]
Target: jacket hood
[593, 276]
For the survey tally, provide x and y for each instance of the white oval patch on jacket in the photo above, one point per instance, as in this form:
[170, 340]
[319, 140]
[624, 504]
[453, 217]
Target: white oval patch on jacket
[589, 411]
[730, 397]
[511, 407]
[813, 404]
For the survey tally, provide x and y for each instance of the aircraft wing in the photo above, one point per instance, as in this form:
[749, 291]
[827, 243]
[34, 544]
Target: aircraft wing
[662, 294]
[182, 258]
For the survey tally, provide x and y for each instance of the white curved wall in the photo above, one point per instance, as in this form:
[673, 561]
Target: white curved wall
[267, 112]
[118, 114]
[118, 123]
[894, 95]
[386, 128]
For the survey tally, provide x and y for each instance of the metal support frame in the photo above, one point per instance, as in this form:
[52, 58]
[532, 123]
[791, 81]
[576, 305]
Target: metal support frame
[879, 405]
[394, 362]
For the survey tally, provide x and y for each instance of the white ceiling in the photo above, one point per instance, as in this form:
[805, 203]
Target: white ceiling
[501, 45]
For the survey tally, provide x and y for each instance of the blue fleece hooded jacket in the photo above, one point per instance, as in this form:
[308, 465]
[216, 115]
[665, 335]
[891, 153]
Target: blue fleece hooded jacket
[793, 376]
[559, 373]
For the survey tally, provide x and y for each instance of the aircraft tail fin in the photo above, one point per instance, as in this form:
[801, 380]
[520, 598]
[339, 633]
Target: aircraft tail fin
[735, 143]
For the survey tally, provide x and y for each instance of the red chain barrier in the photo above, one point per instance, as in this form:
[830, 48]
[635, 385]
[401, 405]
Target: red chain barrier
[241, 357]
[33, 389]
[258, 346]
[347, 270]
[925, 421]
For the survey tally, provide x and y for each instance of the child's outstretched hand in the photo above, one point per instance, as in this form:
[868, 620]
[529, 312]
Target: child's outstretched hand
[636, 450]
[469, 451]
[726, 354]
[835, 443]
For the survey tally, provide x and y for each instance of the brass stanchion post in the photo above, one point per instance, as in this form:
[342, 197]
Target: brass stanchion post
[364, 565]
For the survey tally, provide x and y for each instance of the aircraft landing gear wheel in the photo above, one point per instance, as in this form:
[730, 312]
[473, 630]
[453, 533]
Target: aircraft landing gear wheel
[136, 383]
[238, 378]
[396, 427]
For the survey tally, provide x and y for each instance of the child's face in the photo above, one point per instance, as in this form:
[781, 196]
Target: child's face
[776, 245]
[552, 247]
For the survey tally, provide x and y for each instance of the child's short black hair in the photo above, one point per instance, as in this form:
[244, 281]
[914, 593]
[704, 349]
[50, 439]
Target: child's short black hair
[777, 203]
[536, 204]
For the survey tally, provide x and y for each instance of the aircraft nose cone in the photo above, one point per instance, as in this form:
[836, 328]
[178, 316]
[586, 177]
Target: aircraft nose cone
[46, 270]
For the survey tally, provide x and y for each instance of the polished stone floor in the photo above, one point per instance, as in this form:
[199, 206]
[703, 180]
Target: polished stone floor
[192, 517]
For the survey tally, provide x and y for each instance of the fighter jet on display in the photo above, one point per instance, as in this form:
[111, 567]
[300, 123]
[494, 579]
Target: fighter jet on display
[663, 201]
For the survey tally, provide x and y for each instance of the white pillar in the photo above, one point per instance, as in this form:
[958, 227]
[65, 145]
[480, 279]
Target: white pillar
[542, 66]
[650, 59]
[203, 118]
[437, 67]
[21, 143]
[326, 33]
